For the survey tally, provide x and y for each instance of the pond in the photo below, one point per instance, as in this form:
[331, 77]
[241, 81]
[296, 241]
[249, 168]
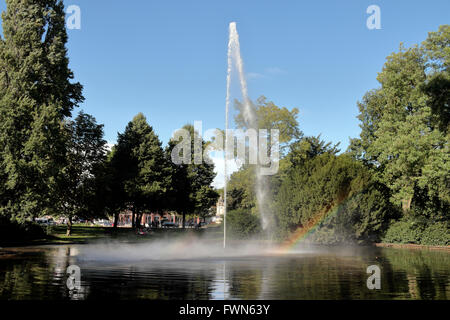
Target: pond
[35, 273]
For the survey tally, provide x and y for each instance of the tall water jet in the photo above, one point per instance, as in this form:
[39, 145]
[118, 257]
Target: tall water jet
[250, 118]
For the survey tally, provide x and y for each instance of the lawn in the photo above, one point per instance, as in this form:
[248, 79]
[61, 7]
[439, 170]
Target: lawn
[80, 233]
[84, 234]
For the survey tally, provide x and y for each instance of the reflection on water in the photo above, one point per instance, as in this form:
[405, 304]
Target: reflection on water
[40, 273]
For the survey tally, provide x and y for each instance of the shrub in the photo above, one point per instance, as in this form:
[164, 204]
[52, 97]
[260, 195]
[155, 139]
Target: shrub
[413, 230]
[241, 224]
[13, 231]
[436, 234]
[358, 219]
[355, 207]
[403, 231]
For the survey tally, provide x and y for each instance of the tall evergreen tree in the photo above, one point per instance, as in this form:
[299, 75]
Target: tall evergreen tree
[142, 169]
[78, 192]
[115, 197]
[36, 95]
[191, 191]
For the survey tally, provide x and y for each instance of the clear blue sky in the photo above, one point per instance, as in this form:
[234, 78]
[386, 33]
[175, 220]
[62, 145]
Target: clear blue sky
[167, 59]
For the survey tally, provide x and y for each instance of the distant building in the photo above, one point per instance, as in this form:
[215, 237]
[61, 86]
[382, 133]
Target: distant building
[220, 211]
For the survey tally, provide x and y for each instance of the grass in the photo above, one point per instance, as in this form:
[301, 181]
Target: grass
[86, 234]
[82, 234]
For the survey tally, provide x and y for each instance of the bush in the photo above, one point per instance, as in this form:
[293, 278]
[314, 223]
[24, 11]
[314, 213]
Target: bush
[354, 206]
[436, 234]
[410, 230]
[241, 224]
[13, 231]
[403, 232]
[358, 219]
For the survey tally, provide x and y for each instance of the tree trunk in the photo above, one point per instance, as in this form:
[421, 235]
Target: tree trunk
[184, 220]
[116, 220]
[138, 220]
[69, 227]
[133, 216]
[406, 204]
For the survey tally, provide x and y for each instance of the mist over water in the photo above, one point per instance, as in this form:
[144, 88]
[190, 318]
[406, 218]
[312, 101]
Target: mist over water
[174, 249]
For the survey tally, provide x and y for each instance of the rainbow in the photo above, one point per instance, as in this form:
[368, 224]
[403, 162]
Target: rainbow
[311, 226]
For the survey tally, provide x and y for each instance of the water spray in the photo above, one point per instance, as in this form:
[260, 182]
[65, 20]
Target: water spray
[250, 117]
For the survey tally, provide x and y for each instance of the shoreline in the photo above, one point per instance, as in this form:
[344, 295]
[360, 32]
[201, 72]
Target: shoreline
[6, 246]
[411, 246]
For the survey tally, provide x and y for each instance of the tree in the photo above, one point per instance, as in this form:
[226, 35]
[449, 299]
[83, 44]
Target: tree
[404, 123]
[191, 191]
[78, 193]
[115, 197]
[334, 194]
[307, 148]
[437, 51]
[36, 96]
[270, 116]
[241, 224]
[241, 189]
[370, 112]
[141, 167]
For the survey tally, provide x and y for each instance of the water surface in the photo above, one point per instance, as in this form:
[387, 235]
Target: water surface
[36, 273]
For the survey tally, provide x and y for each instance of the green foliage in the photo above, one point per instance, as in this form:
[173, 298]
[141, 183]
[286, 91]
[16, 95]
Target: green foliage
[191, 191]
[15, 231]
[337, 191]
[241, 186]
[241, 224]
[51, 164]
[307, 148]
[437, 50]
[270, 116]
[359, 219]
[436, 234]
[409, 230]
[241, 189]
[36, 96]
[143, 174]
[404, 122]
[405, 138]
[77, 188]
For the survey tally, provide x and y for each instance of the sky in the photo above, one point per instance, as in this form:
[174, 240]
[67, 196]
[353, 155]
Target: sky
[167, 59]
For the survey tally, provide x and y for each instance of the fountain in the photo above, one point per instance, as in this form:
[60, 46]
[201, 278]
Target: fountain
[250, 118]
[193, 265]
